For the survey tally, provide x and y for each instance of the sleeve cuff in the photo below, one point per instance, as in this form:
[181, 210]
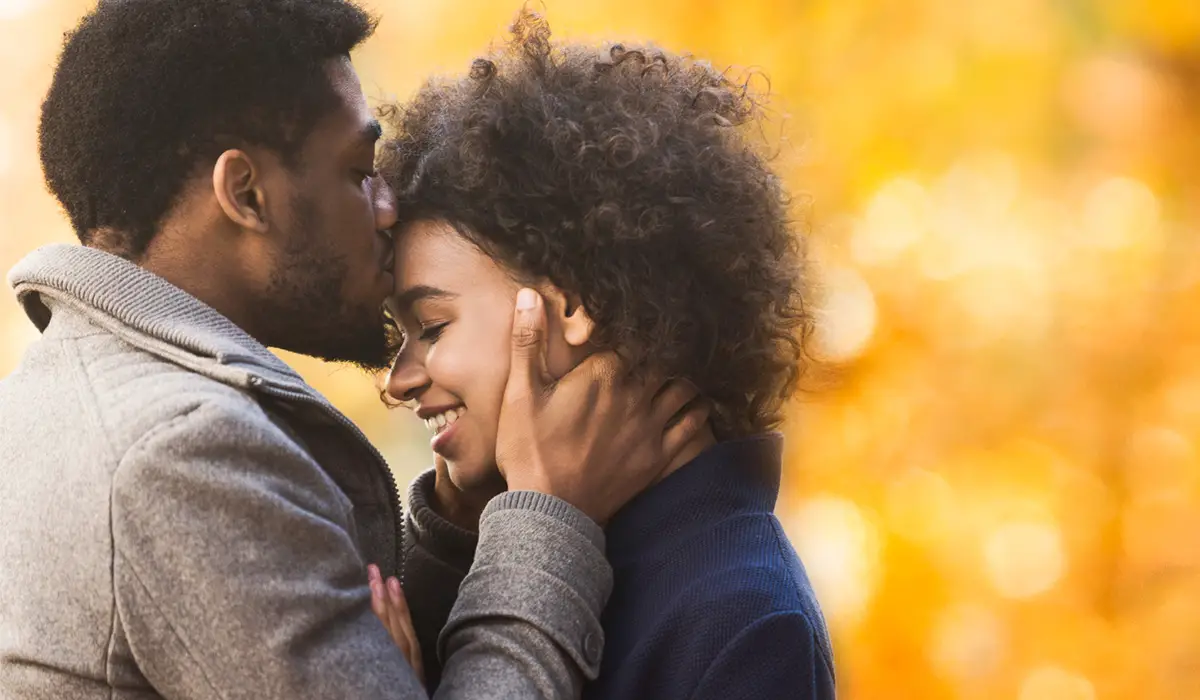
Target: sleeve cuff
[556, 508]
[539, 560]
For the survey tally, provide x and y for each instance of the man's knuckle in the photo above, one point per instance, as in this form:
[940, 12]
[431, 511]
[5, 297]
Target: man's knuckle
[525, 336]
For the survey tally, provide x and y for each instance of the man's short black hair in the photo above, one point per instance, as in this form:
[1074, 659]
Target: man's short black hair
[149, 92]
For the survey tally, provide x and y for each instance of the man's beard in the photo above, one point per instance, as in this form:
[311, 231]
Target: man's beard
[304, 311]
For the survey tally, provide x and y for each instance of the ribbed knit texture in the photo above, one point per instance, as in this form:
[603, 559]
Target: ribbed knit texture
[710, 601]
[549, 505]
[517, 544]
[138, 299]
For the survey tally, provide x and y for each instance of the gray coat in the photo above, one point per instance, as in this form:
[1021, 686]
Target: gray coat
[182, 517]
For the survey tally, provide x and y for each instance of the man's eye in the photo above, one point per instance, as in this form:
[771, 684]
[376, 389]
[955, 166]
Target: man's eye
[432, 333]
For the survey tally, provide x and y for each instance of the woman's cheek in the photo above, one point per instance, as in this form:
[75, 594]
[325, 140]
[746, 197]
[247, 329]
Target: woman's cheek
[443, 362]
[461, 365]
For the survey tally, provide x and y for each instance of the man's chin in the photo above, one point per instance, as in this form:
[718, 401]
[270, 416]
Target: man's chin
[367, 351]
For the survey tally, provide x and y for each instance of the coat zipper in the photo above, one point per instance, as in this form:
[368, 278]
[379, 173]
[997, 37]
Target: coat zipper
[262, 386]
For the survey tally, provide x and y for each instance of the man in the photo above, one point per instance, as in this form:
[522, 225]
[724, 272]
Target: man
[182, 516]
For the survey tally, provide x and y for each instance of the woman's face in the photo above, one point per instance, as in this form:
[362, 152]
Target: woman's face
[455, 306]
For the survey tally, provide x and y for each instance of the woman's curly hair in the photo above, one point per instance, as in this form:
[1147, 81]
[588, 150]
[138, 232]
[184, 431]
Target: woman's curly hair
[626, 178]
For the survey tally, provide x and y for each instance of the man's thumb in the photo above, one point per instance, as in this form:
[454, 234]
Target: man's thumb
[528, 368]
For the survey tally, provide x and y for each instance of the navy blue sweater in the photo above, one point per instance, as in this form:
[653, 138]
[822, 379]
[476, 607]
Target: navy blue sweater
[710, 600]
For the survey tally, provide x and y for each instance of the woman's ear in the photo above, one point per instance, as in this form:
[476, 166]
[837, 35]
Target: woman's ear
[568, 312]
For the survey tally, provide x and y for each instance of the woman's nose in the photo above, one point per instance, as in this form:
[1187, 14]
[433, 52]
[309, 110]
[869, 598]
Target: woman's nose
[407, 379]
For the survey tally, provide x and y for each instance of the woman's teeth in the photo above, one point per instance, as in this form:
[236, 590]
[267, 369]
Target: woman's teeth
[441, 421]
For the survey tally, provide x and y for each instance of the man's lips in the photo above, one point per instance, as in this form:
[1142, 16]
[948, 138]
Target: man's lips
[389, 259]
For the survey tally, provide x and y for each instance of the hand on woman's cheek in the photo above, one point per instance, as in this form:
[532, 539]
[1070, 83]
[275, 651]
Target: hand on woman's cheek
[464, 488]
[455, 306]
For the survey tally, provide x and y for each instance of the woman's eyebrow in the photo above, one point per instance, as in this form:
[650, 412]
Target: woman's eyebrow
[417, 293]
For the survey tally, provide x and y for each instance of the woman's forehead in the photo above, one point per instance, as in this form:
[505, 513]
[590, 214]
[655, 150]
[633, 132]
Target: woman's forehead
[426, 248]
[434, 256]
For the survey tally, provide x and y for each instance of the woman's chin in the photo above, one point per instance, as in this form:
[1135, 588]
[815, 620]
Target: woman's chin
[476, 478]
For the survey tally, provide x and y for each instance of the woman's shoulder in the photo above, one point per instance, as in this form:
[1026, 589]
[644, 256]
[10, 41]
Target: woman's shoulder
[727, 613]
[749, 576]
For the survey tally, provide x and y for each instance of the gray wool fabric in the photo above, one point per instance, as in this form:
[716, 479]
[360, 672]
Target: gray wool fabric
[182, 517]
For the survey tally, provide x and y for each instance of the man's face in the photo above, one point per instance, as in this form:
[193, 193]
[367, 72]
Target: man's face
[332, 265]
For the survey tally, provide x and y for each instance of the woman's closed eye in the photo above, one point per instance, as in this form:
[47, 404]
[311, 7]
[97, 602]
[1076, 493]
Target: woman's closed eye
[431, 333]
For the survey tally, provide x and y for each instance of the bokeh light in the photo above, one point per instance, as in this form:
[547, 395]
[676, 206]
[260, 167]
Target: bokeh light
[846, 316]
[1053, 683]
[969, 643]
[12, 9]
[840, 548]
[1024, 558]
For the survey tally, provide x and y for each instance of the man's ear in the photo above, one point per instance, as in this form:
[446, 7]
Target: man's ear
[237, 183]
[569, 313]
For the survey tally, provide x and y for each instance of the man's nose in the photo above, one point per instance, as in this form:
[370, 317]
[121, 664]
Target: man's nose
[384, 201]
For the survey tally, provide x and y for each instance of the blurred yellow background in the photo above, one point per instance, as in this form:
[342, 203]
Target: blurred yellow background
[994, 482]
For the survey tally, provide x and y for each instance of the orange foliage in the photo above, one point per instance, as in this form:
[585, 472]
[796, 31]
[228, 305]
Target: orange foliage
[996, 490]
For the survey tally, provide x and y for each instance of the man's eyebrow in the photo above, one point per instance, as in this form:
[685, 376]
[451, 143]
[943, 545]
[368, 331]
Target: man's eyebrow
[371, 132]
[420, 292]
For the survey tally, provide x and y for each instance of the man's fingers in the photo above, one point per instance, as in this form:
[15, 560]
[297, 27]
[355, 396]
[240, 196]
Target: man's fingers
[527, 372]
[672, 398]
[690, 422]
[604, 369]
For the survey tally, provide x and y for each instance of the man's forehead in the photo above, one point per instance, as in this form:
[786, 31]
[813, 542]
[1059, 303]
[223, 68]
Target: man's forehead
[344, 79]
[353, 119]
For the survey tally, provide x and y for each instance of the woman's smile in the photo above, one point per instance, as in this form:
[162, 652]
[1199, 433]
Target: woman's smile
[441, 423]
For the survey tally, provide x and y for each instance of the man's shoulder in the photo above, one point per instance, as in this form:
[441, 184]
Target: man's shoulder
[95, 387]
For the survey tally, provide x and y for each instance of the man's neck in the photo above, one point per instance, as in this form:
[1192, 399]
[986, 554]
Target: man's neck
[201, 275]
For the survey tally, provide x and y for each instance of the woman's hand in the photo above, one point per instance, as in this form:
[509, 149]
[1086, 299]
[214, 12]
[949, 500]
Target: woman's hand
[390, 606]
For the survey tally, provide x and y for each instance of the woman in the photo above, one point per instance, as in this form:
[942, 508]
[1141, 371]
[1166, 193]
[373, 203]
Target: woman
[625, 189]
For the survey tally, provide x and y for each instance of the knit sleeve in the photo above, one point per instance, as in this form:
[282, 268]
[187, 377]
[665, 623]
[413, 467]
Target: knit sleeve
[776, 658]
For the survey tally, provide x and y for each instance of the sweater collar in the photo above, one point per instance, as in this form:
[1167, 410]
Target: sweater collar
[145, 310]
[729, 478]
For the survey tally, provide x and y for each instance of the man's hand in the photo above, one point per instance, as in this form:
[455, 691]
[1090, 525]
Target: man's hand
[595, 438]
[391, 607]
